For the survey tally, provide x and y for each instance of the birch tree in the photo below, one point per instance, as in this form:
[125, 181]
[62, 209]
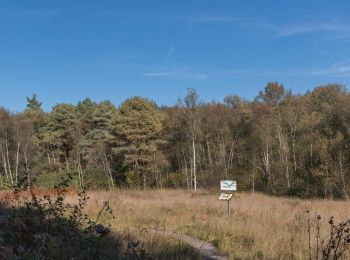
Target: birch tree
[191, 104]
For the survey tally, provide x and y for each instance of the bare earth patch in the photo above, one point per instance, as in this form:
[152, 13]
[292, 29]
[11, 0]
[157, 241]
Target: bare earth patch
[204, 248]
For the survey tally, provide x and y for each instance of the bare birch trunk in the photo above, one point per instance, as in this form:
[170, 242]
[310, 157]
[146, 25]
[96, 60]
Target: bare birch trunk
[108, 170]
[294, 153]
[26, 165]
[230, 159]
[4, 163]
[8, 161]
[194, 162]
[67, 160]
[209, 158]
[191, 175]
[266, 161]
[80, 171]
[17, 162]
[187, 180]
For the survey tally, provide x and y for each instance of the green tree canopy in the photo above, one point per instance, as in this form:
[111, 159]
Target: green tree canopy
[33, 103]
[138, 131]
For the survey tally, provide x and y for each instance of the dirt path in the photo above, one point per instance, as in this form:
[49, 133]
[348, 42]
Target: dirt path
[204, 248]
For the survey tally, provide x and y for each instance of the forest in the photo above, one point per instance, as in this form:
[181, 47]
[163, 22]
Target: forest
[279, 143]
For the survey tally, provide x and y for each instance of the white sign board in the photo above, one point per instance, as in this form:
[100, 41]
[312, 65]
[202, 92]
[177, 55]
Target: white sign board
[225, 196]
[228, 185]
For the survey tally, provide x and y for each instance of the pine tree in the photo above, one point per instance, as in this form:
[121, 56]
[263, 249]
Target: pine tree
[138, 131]
[33, 103]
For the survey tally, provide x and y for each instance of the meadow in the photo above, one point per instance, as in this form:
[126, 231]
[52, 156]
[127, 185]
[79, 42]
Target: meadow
[262, 226]
[139, 223]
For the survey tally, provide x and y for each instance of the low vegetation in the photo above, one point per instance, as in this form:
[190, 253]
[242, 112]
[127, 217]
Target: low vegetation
[121, 224]
[47, 227]
[54, 224]
[262, 227]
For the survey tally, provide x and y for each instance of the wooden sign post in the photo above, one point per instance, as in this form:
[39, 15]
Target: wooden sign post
[228, 187]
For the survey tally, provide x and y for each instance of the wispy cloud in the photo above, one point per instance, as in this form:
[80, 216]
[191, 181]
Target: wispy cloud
[159, 74]
[246, 73]
[177, 74]
[31, 13]
[295, 29]
[249, 22]
[341, 69]
[170, 52]
[273, 28]
[338, 69]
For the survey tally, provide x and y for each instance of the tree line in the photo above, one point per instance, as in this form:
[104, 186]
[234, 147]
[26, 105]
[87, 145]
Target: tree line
[279, 143]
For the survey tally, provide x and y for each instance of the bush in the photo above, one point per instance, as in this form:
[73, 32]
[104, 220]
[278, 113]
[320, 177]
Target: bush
[48, 228]
[335, 245]
[4, 185]
[95, 179]
[52, 179]
[176, 180]
[133, 179]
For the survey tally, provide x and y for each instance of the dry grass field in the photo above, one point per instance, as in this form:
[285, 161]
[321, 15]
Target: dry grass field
[262, 227]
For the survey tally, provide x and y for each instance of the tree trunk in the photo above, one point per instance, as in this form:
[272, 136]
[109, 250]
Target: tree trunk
[17, 162]
[108, 169]
[293, 148]
[67, 160]
[106, 172]
[26, 165]
[209, 158]
[80, 171]
[8, 161]
[4, 163]
[194, 162]
[144, 180]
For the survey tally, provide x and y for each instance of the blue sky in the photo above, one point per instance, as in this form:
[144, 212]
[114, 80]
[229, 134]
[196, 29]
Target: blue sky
[67, 50]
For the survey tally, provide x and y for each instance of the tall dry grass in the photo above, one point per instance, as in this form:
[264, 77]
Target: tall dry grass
[262, 226]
